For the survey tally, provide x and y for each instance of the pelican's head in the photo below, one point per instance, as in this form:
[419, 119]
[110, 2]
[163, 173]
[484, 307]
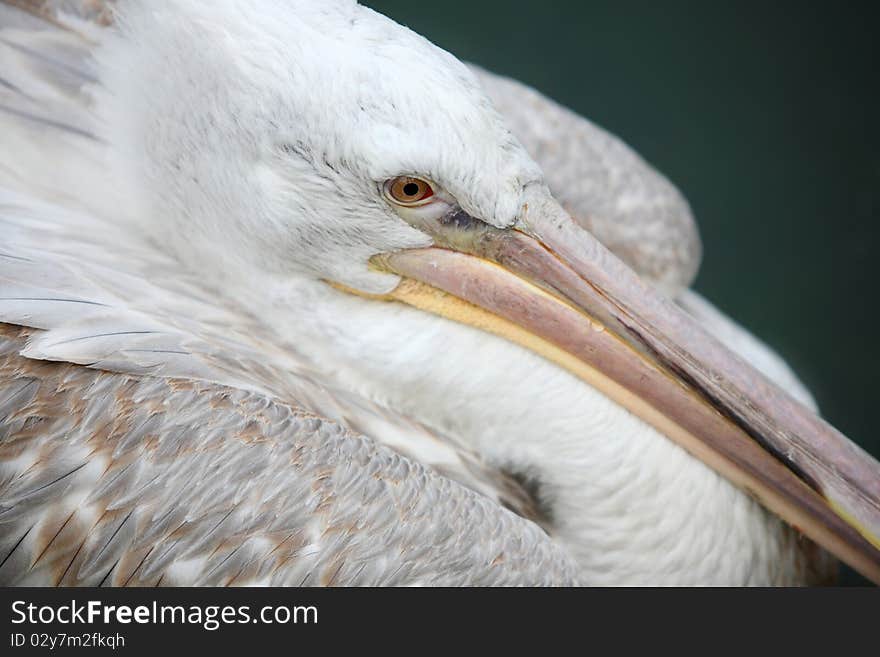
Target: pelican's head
[322, 141]
[275, 128]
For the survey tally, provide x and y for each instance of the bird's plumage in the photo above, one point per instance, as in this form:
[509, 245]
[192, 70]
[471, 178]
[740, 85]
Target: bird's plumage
[117, 480]
[222, 360]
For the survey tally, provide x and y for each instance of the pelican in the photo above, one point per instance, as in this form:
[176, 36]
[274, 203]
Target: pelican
[289, 295]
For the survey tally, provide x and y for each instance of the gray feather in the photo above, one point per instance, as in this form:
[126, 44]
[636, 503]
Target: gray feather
[244, 492]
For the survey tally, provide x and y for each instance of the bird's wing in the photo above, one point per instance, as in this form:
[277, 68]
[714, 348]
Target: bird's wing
[605, 186]
[108, 479]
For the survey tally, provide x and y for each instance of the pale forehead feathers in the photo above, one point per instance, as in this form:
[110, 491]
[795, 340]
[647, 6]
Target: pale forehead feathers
[335, 79]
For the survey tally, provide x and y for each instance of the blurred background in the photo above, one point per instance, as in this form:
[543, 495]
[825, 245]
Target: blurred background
[765, 115]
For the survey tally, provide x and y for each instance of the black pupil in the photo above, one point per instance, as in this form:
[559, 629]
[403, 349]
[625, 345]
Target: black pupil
[411, 189]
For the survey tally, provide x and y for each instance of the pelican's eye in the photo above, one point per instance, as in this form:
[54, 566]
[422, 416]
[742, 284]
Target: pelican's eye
[409, 191]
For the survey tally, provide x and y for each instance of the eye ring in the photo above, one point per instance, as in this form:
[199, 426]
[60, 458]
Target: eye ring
[408, 191]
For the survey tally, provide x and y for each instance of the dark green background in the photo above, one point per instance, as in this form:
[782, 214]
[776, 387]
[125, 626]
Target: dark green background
[764, 114]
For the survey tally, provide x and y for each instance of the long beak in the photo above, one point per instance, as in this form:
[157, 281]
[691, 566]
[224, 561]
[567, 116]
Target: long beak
[550, 286]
